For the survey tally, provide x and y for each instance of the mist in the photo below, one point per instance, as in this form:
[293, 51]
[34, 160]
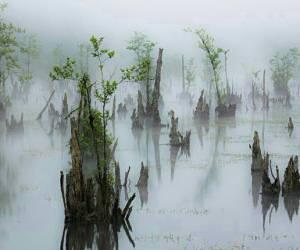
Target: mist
[133, 124]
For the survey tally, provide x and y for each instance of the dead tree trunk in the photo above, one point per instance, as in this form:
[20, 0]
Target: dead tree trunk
[156, 92]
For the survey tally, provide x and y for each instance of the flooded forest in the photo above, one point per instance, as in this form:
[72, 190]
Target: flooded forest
[149, 125]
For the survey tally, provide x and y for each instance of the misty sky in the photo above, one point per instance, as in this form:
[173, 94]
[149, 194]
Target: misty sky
[252, 29]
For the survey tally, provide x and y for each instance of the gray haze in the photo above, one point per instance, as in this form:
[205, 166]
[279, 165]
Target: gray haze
[252, 30]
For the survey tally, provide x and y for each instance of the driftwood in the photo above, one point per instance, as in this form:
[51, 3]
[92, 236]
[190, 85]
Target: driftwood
[45, 107]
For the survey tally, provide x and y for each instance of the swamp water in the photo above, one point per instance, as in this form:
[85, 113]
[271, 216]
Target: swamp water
[206, 201]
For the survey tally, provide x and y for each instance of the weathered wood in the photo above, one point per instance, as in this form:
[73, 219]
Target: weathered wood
[62, 189]
[127, 206]
[126, 177]
[201, 112]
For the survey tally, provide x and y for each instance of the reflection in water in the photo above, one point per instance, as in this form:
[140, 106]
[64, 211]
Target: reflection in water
[199, 133]
[7, 188]
[90, 235]
[173, 157]
[137, 134]
[81, 236]
[199, 128]
[256, 184]
[143, 193]
[291, 204]
[268, 203]
[213, 167]
[155, 139]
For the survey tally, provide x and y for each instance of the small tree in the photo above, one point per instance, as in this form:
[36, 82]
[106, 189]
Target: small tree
[190, 74]
[206, 43]
[9, 47]
[283, 68]
[143, 49]
[29, 49]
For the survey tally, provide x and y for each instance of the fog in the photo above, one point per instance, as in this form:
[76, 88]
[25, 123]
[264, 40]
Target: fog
[252, 30]
[201, 192]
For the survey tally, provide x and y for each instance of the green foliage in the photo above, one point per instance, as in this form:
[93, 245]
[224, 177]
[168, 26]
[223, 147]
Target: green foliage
[86, 135]
[9, 47]
[206, 43]
[66, 71]
[29, 49]
[108, 86]
[141, 46]
[283, 66]
[99, 53]
[136, 73]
